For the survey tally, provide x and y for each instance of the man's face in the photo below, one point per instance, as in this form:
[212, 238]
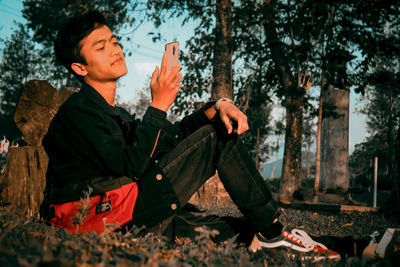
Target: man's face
[104, 57]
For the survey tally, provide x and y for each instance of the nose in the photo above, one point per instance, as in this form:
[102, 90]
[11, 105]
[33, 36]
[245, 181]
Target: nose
[114, 53]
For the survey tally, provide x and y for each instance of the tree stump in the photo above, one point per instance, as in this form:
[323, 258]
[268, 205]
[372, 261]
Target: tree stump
[38, 104]
[23, 180]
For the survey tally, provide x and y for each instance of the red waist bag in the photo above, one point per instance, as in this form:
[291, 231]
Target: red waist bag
[106, 212]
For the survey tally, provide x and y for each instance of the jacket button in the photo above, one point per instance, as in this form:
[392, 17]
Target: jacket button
[173, 206]
[177, 136]
[159, 177]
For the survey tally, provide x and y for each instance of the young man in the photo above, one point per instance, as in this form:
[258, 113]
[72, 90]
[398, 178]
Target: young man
[143, 172]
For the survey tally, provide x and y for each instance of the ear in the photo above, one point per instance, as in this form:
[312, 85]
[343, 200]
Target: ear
[79, 69]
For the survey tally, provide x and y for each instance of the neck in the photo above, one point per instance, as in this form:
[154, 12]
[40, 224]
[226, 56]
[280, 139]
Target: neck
[106, 90]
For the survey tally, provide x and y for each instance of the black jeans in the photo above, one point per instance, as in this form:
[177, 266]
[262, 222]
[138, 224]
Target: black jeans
[195, 159]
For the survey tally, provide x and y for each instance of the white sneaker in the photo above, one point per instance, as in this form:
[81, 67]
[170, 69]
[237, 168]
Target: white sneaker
[299, 242]
[387, 241]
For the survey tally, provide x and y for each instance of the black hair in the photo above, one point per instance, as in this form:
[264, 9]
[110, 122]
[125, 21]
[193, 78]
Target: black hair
[67, 45]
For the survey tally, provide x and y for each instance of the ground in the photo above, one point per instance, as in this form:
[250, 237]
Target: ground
[32, 242]
[27, 242]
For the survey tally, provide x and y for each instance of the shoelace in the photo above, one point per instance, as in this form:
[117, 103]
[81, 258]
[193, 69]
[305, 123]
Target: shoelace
[304, 238]
[373, 236]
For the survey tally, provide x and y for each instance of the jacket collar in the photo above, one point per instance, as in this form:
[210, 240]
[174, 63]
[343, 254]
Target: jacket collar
[95, 97]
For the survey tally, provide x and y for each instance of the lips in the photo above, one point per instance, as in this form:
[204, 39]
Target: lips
[118, 60]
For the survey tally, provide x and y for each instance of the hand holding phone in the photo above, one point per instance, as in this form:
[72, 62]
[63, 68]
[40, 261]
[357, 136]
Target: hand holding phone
[164, 85]
[172, 50]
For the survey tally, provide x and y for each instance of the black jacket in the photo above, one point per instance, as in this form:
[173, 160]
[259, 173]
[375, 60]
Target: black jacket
[90, 143]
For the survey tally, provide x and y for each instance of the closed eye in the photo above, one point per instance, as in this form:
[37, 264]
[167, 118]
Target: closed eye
[118, 44]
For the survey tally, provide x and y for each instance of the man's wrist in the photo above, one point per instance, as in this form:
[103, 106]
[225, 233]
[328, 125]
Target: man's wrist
[159, 106]
[216, 105]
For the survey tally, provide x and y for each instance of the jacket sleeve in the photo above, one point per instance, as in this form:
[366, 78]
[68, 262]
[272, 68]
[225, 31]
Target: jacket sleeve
[194, 121]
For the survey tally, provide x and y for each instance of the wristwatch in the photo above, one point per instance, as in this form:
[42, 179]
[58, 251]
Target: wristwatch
[216, 105]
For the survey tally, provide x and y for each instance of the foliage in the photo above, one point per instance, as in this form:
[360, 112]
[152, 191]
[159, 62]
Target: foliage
[33, 243]
[27, 242]
[17, 66]
[253, 102]
[198, 60]
[29, 52]
[362, 163]
[45, 27]
[277, 46]
[83, 208]
[249, 87]
[138, 107]
[381, 96]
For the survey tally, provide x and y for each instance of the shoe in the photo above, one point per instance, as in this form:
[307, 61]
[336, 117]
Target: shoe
[300, 244]
[368, 252]
[386, 244]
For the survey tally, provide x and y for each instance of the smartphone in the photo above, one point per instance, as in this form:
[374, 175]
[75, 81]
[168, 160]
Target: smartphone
[172, 50]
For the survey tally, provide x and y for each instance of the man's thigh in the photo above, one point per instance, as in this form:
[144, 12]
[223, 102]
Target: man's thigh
[185, 169]
[191, 162]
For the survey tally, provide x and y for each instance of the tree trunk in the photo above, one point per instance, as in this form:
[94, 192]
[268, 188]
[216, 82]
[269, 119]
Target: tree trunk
[37, 105]
[335, 142]
[291, 170]
[214, 191]
[273, 167]
[294, 95]
[392, 206]
[318, 149]
[397, 177]
[222, 65]
[308, 160]
[24, 179]
[257, 148]
[391, 141]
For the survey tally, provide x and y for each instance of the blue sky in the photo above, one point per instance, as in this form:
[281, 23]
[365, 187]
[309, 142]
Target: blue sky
[146, 55]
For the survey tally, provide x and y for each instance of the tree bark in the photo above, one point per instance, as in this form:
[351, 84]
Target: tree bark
[24, 179]
[391, 142]
[222, 64]
[392, 206]
[221, 87]
[273, 167]
[319, 127]
[396, 187]
[291, 170]
[308, 161]
[294, 96]
[37, 105]
[258, 148]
